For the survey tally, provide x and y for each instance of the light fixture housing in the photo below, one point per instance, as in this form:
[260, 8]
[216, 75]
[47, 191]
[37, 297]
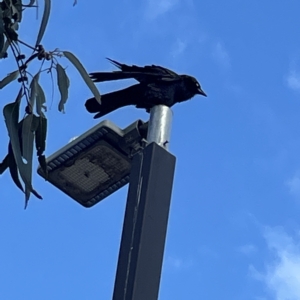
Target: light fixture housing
[97, 163]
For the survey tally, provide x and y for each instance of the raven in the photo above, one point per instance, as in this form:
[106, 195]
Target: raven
[157, 85]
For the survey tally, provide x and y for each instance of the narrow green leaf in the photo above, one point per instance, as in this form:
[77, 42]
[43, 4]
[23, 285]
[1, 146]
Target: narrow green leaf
[40, 101]
[40, 136]
[35, 123]
[27, 138]
[27, 147]
[10, 31]
[40, 142]
[11, 115]
[17, 9]
[33, 89]
[43, 164]
[9, 78]
[13, 169]
[63, 83]
[1, 23]
[2, 41]
[7, 9]
[47, 7]
[2, 15]
[77, 64]
[4, 164]
[35, 193]
[3, 52]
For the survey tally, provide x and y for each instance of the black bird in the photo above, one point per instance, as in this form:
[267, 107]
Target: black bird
[157, 85]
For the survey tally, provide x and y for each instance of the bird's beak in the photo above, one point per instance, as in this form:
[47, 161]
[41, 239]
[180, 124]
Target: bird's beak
[200, 92]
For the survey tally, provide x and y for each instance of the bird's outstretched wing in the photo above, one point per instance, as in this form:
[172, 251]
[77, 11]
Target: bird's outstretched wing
[142, 74]
[114, 100]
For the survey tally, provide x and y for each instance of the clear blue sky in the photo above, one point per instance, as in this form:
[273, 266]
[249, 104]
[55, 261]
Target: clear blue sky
[234, 222]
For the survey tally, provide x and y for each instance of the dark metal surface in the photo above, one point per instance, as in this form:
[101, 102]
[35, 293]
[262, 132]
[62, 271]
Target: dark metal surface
[145, 225]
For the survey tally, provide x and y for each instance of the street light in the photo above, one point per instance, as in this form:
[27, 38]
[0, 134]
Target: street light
[97, 163]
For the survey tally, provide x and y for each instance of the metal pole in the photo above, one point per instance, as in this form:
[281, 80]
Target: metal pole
[146, 215]
[160, 123]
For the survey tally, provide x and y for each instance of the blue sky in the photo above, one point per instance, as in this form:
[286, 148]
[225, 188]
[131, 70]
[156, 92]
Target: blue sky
[234, 230]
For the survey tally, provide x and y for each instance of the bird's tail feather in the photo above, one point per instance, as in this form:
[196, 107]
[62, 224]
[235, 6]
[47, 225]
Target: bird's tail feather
[108, 76]
[114, 100]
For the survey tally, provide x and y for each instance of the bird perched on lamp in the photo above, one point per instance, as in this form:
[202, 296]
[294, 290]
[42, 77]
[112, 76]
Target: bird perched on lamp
[157, 85]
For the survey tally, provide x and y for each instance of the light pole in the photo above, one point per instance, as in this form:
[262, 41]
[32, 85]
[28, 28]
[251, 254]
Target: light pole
[147, 212]
[104, 159]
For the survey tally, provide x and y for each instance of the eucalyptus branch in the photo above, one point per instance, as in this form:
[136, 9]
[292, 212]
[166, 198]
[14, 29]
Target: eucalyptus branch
[25, 44]
[21, 70]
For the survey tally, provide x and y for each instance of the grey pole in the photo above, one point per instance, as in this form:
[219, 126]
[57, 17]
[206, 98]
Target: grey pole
[147, 211]
[160, 123]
